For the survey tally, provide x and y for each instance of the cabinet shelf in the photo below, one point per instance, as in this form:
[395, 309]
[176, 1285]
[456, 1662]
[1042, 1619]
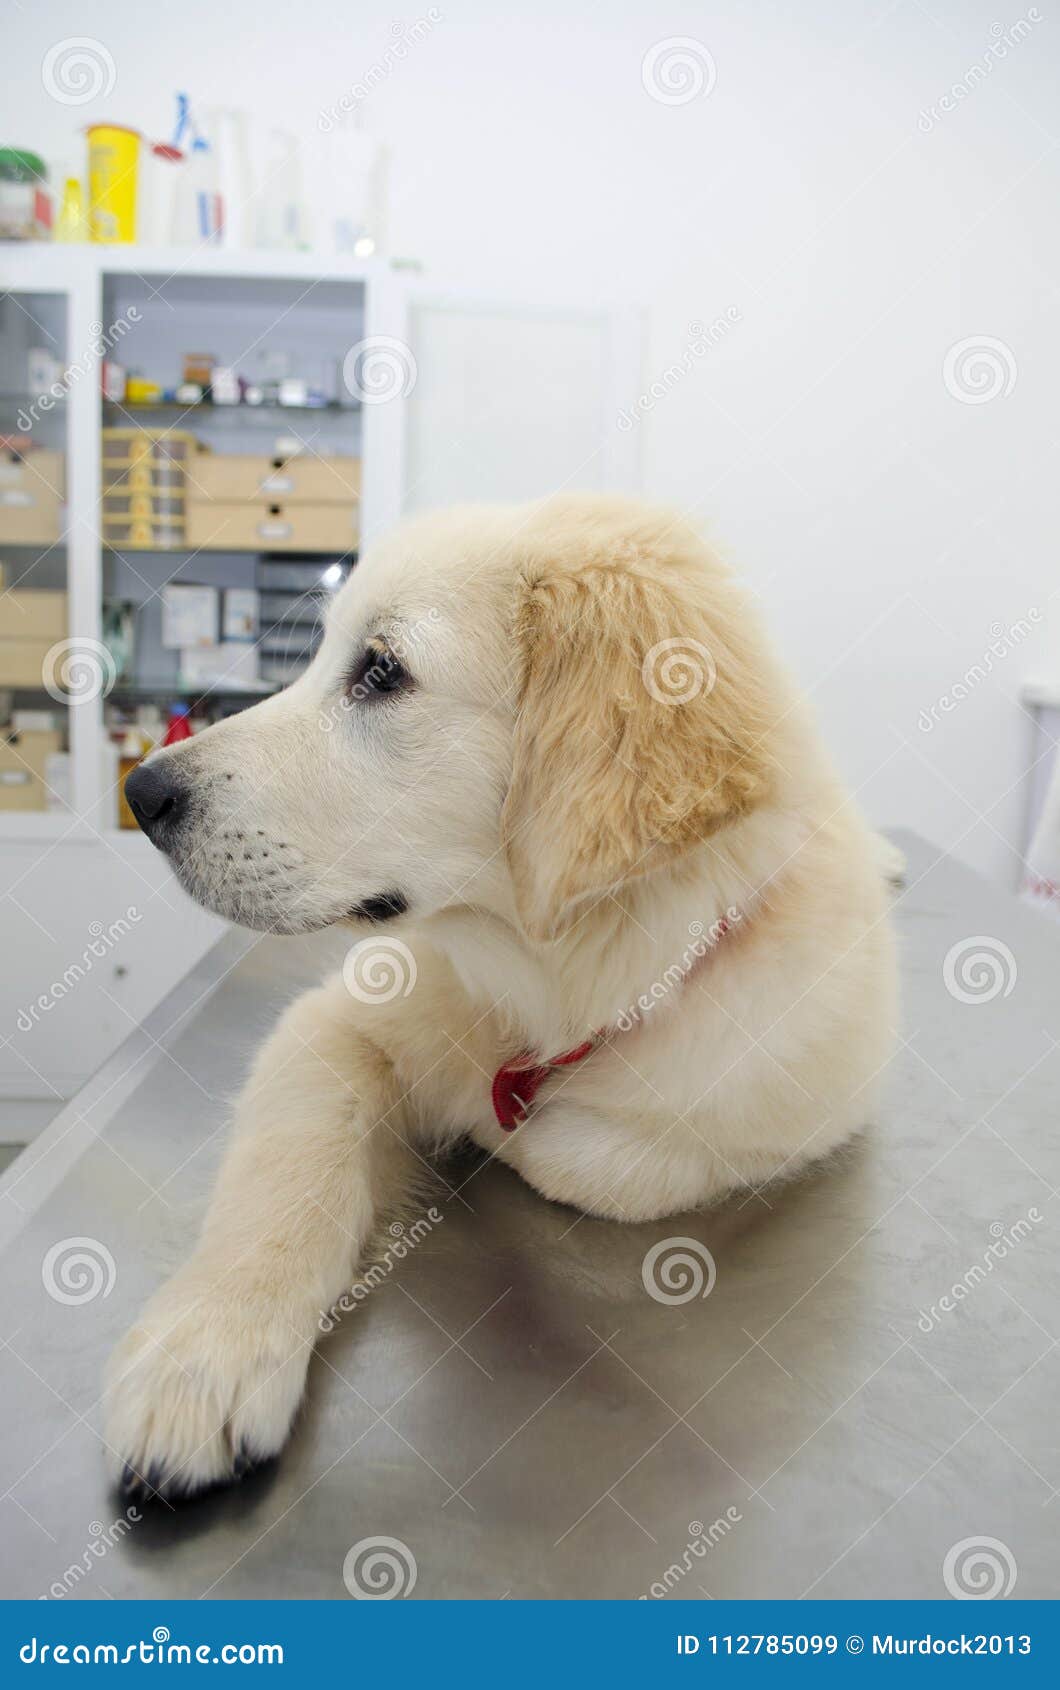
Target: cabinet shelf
[207, 407]
[148, 689]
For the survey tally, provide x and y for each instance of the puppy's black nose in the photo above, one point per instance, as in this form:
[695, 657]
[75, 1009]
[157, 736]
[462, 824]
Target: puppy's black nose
[156, 799]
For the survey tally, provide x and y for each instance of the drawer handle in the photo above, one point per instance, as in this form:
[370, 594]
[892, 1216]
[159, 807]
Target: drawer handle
[277, 484]
[15, 496]
[274, 530]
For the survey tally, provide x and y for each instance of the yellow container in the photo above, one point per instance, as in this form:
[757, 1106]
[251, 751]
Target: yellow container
[113, 160]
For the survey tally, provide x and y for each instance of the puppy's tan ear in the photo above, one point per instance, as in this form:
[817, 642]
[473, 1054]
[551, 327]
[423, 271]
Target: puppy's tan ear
[642, 715]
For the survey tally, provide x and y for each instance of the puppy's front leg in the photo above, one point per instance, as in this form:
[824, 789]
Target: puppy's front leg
[208, 1380]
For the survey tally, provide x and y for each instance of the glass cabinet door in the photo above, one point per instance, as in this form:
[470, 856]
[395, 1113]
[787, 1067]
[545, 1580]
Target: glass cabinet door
[39, 672]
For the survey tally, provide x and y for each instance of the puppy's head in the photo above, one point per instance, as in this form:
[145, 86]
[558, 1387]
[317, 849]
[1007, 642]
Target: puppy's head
[517, 709]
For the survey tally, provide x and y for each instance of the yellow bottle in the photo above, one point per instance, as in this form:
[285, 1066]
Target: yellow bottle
[72, 224]
[113, 161]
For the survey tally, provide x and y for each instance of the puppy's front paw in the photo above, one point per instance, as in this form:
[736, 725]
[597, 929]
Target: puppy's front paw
[202, 1388]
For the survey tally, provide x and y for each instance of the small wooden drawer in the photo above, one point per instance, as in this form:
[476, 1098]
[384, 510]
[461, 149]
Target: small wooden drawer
[32, 614]
[143, 533]
[144, 476]
[24, 662]
[228, 478]
[31, 494]
[121, 447]
[265, 527]
[41, 472]
[168, 505]
[23, 759]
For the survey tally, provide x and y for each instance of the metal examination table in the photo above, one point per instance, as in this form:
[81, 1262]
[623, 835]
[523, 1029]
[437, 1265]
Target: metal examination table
[510, 1404]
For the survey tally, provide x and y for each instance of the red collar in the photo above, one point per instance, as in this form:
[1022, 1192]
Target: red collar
[517, 1083]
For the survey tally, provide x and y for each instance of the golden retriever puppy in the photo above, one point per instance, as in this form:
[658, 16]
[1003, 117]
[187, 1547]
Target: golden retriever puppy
[547, 768]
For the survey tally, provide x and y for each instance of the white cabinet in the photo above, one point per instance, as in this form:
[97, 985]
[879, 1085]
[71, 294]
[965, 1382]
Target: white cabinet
[441, 400]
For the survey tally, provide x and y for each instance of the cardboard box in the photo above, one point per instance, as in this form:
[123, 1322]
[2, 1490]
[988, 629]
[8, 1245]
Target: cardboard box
[272, 527]
[33, 614]
[32, 490]
[22, 662]
[22, 769]
[301, 480]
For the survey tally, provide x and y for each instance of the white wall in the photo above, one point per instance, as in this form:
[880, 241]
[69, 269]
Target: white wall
[889, 528]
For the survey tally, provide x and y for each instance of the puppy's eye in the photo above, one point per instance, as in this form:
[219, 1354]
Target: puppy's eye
[379, 671]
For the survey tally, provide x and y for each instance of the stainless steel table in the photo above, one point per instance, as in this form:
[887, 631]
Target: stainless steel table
[868, 1391]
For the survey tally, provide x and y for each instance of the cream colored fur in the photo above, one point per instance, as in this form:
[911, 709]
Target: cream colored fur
[562, 829]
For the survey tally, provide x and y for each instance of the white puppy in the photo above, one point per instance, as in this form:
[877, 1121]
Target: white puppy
[550, 749]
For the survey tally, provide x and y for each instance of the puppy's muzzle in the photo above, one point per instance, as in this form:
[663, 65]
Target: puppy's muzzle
[158, 801]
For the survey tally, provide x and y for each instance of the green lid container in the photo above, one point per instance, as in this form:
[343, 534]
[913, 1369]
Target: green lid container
[19, 165]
